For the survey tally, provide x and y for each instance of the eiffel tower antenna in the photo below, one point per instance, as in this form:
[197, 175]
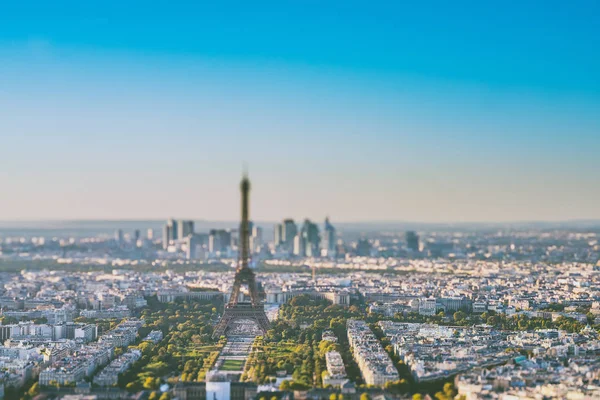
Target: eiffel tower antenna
[235, 310]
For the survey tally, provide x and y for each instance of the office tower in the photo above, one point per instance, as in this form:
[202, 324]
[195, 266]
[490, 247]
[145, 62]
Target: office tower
[150, 234]
[289, 232]
[174, 229]
[166, 237]
[169, 233]
[219, 240]
[119, 236]
[194, 245]
[309, 239]
[185, 228]
[412, 241]
[363, 248]
[299, 248]
[313, 240]
[136, 235]
[278, 235]
[329, 241]
[214, 241]
[256, 240]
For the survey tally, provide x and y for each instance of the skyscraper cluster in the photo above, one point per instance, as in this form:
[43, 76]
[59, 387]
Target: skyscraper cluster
[284, 234]
[290, 239]
[219, 241]
[179, 235]
[307, 241]
[176, 230]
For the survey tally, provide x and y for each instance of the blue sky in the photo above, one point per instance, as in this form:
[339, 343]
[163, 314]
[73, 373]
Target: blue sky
[364, 111]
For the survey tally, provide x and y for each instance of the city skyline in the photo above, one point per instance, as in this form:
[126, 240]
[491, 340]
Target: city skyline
[299, 200]
[385, 116]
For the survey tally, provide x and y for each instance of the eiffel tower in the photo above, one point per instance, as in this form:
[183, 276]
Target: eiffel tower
[235, 309]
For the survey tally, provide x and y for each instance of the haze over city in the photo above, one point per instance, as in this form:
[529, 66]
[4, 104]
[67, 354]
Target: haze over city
[133, 112]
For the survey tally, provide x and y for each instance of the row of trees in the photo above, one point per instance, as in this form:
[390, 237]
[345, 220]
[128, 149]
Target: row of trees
[519, 322]
[301, 352]
[186, 351]
[298, 356]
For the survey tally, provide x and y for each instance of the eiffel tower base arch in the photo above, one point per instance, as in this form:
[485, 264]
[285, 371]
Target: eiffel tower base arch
[241, 312]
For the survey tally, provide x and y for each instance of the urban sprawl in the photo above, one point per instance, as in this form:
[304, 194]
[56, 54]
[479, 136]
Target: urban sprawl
[478, 313]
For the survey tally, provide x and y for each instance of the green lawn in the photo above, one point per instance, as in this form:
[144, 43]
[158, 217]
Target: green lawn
[232, 365]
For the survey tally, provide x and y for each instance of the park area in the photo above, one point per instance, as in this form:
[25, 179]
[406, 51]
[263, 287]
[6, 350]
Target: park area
[232, 365]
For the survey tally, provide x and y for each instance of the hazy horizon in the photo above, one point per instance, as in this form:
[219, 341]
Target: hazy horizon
[37, 222]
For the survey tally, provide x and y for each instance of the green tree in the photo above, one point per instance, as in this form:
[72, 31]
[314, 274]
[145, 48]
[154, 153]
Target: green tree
[459, 316]
[165, 396]
[285, 385]
[449, 390]
[399, 386]
[9, 320]
[365, 396]
[34, 390]
[590, 318]
[149, 383]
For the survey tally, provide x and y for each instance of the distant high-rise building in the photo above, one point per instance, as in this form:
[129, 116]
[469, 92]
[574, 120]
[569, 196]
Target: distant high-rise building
[194, 245]
[256, 239]
[150, 234]
[166, 236]
[412, 241]
[219, 240]
[285, 234]
[119, 236]
[363, 248]
[174, 229]
[136, 235]
[328, 243]
[278, 235]
[185, 228]
[289, 232]
[299, 248]
[310, 239]
[169, 233]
